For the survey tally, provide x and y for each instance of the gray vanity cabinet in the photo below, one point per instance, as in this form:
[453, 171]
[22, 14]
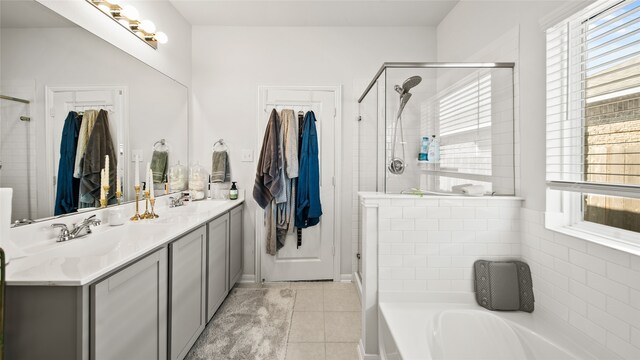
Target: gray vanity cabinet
[217, 263]
[129, 311]
[187, 291]
[235, 246]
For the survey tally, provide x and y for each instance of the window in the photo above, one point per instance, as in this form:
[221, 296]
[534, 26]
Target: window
[593, 116]
[465, 127]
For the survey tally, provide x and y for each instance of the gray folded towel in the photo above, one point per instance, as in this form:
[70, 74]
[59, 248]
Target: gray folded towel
[159, 165]
[219, 166]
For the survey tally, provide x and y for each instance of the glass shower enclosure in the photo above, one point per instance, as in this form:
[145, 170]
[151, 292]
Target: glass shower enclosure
[434, 128]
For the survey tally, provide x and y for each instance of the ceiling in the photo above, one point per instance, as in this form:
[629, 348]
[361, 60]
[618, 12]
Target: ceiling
[314, 12]
[29, 14]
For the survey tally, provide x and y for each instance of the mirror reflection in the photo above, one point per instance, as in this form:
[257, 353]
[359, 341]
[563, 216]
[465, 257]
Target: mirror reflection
[70, 101]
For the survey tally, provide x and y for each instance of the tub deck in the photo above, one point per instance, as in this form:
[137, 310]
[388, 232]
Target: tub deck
[425, 331]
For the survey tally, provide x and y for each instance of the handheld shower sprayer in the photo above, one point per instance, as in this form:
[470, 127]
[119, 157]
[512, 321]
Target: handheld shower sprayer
[397, 164]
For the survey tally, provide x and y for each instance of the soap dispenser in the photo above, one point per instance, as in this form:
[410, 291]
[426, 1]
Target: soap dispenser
[233, 192]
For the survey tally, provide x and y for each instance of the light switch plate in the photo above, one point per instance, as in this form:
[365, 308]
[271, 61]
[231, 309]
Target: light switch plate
[247, 155]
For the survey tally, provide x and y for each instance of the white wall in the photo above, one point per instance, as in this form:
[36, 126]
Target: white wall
[230, 63]
[171, 58]
[593, 288]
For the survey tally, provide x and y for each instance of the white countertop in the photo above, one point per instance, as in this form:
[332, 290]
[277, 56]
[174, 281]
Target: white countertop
[82, 261]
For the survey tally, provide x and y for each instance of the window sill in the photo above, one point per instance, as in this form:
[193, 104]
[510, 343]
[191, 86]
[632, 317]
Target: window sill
[627, 246]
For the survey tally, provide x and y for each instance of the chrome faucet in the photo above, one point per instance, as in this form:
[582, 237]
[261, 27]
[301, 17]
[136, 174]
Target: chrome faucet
[79, 230]
[178, 201]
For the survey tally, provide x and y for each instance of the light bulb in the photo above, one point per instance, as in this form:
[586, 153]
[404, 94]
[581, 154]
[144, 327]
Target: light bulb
[148, 26]
[130, 12]
[105, 9]
[113, 2]
[124, 23]
[161, 37]
[140, 34]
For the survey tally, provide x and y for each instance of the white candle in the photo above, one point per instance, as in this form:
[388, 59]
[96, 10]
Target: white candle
[118, 182]
[152, 194]
[106, 170]
[148, 177]
[137, 173]
[102, 195]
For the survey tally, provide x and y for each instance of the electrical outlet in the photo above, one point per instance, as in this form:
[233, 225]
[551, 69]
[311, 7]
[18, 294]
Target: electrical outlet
[247, 155]
[136, 155]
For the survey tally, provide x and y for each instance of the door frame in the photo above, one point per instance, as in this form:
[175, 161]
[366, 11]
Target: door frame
[50, 92]
[337, 166]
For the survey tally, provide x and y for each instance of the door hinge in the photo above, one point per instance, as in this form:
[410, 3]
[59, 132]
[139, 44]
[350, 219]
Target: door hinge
[333, 181]
[335, 112]
[54, 180]
[52, 112]
[333, 249]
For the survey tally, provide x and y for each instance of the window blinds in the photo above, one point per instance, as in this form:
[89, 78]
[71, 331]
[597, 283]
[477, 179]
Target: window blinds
[593, 101]
[465, 127]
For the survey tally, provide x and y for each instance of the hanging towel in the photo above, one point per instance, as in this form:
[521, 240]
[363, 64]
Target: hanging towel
[68, 187]
[219, 168]
[308, 208]
[285, 203]
[99, 145]
[88, 121]
[159, 160]
[268, 182]
[290, 142]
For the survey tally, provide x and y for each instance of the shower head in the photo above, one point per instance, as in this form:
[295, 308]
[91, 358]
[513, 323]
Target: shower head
[410, 83]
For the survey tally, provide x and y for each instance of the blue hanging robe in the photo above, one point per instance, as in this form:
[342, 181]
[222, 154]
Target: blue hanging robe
[308, 208]
[68, 187]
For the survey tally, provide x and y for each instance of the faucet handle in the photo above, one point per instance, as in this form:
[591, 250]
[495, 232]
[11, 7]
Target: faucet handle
[61, 226]
[64, 231]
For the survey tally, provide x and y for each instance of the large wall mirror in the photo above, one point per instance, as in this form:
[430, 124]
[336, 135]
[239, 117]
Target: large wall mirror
[68, 99]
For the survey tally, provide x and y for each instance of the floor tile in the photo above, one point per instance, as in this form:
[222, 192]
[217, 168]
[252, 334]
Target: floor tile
[345, 299]
[307, 327]
[276, 285]
[339, 285]
[248, 285]
[308, 284]
[341, 351]
[305, 351]
[309, 300]
[341, 326]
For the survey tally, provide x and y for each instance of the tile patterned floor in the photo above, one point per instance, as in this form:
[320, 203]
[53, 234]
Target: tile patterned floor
[326, 320]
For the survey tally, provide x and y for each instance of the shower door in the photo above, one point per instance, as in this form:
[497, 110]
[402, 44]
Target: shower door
[315, 258]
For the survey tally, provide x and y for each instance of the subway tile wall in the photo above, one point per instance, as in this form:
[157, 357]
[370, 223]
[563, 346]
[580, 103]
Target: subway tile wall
[430, 244]
[593, 288]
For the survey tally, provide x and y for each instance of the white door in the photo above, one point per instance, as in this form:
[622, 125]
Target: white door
[64, 100]
[314, 259]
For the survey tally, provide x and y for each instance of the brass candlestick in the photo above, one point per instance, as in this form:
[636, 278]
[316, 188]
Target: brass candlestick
[137, 216]
[147, 214]
[103, 201]
[153, 215]
[118, 196]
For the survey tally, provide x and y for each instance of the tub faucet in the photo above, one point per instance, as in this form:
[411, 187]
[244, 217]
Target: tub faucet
[79, 230]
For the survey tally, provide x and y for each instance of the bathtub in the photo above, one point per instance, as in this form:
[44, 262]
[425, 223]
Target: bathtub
[437, 330]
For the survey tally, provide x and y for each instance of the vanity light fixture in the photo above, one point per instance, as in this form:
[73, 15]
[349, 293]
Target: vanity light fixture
[129, 17]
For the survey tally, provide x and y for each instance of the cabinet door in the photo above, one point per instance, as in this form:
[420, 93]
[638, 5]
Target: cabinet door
[235, 247]
[187, 283]
[129, 311]
[217, 263]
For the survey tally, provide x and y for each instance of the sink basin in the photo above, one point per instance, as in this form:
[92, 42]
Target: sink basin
[196, 207]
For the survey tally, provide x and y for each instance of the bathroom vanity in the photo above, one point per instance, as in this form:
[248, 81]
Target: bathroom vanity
[143, 290]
